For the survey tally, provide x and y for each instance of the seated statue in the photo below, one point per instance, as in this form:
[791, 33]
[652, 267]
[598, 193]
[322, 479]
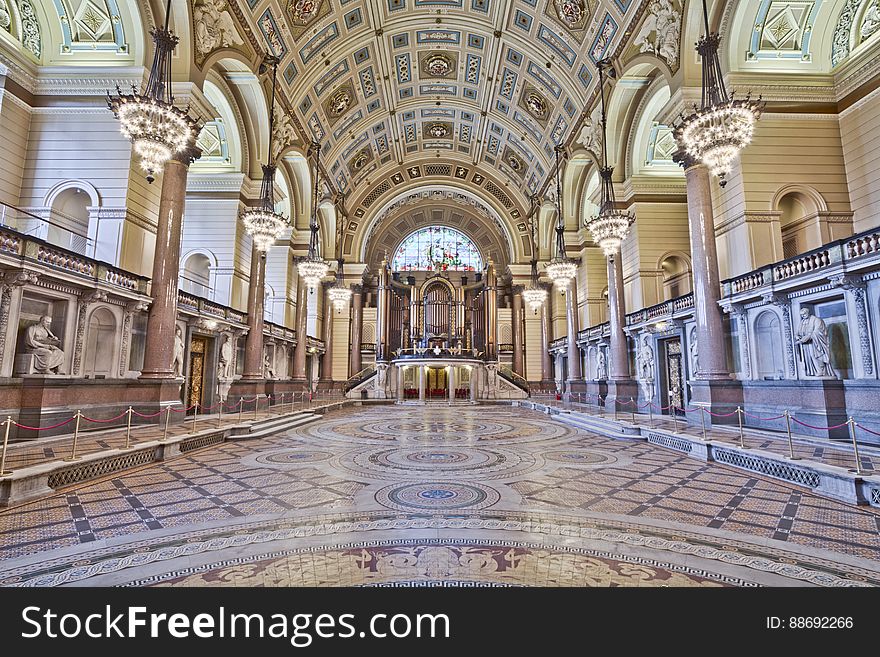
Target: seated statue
[43, 344]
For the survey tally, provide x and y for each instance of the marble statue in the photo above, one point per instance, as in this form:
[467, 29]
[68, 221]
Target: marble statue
[381, 379]
[870, 21]
[695, 353]
[813, 343]
[646, 370]
[177, 354]
[43, 344]
[283, 132]
[225, 359]
[268, 368]
[5, 17]
[214, 27]
[590, 136]
[601, 367]
[661, 31]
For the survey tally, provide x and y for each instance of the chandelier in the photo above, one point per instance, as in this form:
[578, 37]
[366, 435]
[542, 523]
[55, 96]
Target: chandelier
[534, 295]
[152, 123]
[339, 294]
[262, 223]
[722, 126]
[313, 268]
[561, 270]
[611, 225]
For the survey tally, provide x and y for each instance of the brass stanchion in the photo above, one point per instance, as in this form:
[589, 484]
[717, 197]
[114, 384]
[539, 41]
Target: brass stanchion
[791, 455]
[674, 418]
[220, 414]
[167, 420]
[128, 429]
[651, 414]
[282, 404]
[256, 404]
[739, 417]
[3, 470]
[73, 456]
[852, 433]
[703, 421]
[240, 408]
[633, 407]
[195, 414]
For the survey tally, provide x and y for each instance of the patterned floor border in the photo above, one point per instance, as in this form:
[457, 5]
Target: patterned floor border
[817, 570]
[410, 542]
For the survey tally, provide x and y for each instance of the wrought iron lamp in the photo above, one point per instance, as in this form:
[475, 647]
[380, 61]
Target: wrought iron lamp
[262, 223]
[534, 295]
[339, 294]
[611, 225]
[152, 123]
[561, 269]
[722, 126]
[313, 268]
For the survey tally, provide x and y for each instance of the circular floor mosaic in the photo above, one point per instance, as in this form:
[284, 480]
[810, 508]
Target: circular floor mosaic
[437, 496]
[294, 457]
[580, 457]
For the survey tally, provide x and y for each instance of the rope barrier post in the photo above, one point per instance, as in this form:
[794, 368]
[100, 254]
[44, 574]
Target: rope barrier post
[220, 414]
[633, 412]
[852, 433]
[282, 404]
[128, 428]
[167, 420]
[240, 408]
[195, 413]
[73, 456]
[651, 414]
[615, 407]
[739, 418]
[674, 419]
[256, 403]
[3, 470]
[791, 455]
[703, 421]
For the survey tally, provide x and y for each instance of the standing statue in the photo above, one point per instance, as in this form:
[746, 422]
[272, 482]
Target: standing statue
[177, 357]
[43, 344]
[601, 367]
[646, 370]
[225, 359]
[813, 343]
[695, 353]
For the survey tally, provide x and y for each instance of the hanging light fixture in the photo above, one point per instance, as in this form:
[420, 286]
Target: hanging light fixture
[561, 269]
[339, 294]
[721, 127]
[262, 223]
[152, 123]
[312, 268]
[611, 225]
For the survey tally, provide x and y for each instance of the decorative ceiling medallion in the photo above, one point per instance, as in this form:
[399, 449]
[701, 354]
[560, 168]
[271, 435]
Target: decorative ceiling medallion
[534, 102]
[513, 161]
[361, 159]
[339, 101]
[438, 65]
[438, 131]
[304, 13]
[573, 15]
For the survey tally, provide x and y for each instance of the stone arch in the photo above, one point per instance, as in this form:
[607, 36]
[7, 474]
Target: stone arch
[101, 347]
[71, 223]
[677, 275]
[803, 219]
[198, 273]
[769, 353]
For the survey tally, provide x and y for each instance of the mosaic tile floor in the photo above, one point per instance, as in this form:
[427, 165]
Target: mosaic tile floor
[438, 496]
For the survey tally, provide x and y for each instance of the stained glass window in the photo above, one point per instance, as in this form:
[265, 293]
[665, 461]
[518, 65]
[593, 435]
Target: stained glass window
[437, 248]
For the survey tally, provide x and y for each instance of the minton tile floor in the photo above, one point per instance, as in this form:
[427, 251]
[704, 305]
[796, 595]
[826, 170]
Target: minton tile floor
[438, 496]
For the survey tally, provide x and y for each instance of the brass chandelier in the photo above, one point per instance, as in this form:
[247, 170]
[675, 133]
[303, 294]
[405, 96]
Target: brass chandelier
[339, 294]
[561, 269]
[313, 268]
[534, 295]
[152, 123]
[722, 126]
[262, 223]
[611, 225]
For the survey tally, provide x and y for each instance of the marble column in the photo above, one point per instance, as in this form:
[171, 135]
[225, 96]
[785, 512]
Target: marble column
[617, 317]
[516, 321]
[491, 313]
[357, 321]
[473, 372]
[401, 379]
[451, 383]
[546, 339]
[162, 320]
[707, 284]
[422, 382]
[302, 322]
[327, 333]
[574, 356]
[253, 346]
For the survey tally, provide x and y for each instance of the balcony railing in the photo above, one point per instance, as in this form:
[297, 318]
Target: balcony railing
[196, 305]
[661, 311]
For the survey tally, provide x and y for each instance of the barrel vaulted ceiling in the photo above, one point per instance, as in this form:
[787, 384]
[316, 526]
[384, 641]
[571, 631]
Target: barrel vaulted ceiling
[471, 93]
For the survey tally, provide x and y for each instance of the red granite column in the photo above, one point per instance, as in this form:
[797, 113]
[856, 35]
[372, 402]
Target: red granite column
[302, 322]
[516, 322]
[357, 319]
[159, 347]
[546, 338]
[616, 317]
[253, 348]
[327, 360]
[574, 352]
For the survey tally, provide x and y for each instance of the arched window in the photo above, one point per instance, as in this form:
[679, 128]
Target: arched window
[676, 277]
[196, 275]
[768, 339]
[437, 248]
[69, 220]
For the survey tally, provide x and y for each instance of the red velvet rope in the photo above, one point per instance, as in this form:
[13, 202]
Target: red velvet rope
[54, 426]
[112, 419]
[864, 428]
[720, 414]
[148, 416]
[810, 426]
[764, 419]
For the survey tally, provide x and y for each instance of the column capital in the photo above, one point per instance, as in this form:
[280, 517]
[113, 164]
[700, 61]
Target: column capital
[188, 155]
[685, 160]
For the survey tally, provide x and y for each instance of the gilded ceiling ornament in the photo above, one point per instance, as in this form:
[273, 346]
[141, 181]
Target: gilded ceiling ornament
[303, 11]
[570, 12]
[339, 103]
[438, 65]
[536, 105]
[438, 131]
